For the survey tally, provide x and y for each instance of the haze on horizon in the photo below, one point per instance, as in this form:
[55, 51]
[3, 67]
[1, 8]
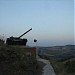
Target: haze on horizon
[52, 21]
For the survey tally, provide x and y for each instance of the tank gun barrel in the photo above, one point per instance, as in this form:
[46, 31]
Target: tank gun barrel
[25, 33]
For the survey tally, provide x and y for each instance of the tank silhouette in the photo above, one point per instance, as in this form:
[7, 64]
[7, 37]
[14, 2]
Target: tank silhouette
[17, 40]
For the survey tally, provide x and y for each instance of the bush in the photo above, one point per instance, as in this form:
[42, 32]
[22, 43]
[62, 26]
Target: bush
[14, 61]
[1, 42]
[70, 66]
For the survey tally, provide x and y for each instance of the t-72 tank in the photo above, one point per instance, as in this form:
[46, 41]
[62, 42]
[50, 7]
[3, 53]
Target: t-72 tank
[17, 40]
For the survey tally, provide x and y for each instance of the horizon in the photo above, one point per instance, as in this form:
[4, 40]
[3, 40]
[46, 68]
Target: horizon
[52, 22]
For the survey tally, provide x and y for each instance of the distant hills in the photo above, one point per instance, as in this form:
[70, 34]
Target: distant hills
[57, 52]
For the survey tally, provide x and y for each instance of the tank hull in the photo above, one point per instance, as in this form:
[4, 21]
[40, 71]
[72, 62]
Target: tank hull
[15, 41]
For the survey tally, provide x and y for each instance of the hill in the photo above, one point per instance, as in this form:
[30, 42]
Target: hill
[66, 67]
[58, 52]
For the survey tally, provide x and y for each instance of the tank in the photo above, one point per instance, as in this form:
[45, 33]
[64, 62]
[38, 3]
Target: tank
[17, 40]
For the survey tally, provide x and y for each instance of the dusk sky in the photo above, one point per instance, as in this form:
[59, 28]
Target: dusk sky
[52, 21]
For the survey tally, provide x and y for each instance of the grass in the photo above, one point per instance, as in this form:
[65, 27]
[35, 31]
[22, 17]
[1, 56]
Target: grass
[14, 61]
[64, 67]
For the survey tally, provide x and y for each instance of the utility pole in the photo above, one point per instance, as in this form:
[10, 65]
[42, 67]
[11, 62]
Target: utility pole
[36, 48]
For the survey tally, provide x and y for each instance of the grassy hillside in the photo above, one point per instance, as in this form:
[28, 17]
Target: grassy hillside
[14, 61]
[66, 67]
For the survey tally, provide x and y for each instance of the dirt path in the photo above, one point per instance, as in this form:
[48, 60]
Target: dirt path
[48, 69]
